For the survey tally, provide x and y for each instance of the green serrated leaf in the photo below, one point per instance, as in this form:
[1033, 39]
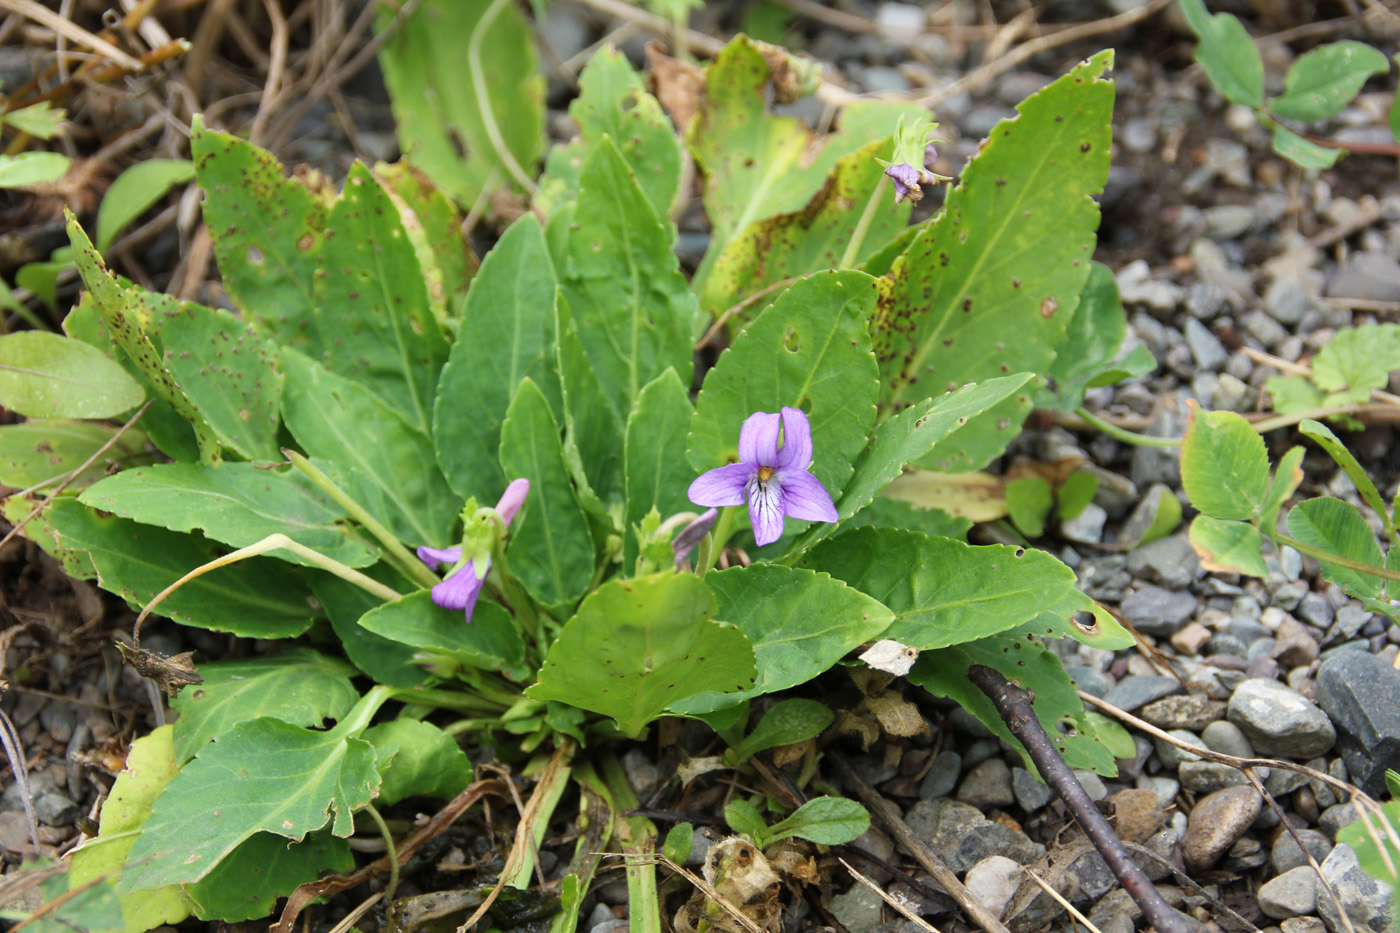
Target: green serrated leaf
[1336, 527]
[1227, 54]
[631, 307]
[390, 467]
[267, 232]
[1357, 360]
[1224, 466]
[32, 168]
[785, 723]
[43, 375]
[989, 287]
[373, 314]
[506, 336]
[828, 821]
[1302, 152]
[1228, 546]
[150, 764]
[40, 452]
[257, 598]
[637, 646]
[1024, 661]
[799, 623]
[1324, 80]
[1293, 394]
[417, 759]
[126, 318]
[809, 239]
[490, 640]
[551, 550]
[298, 686]
[238, 504]
[1029, 500]
[136, 191]
[613, 102]
[657, 476]
[264, 776]
[943, 592]
[810, 349]
[443, 110]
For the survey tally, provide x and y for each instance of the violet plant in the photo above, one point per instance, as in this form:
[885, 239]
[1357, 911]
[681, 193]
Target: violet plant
[302, 466]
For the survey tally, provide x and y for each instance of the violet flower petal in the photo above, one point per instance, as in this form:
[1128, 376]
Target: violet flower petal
[930, 157]
[906, 182]
[460, 590]
[766, 509]
[758, 440]
[722, 485]
[433, 556]
[806, 498]
[797, 441]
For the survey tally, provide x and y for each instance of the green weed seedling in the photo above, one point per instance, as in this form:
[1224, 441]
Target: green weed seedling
[1317, 86]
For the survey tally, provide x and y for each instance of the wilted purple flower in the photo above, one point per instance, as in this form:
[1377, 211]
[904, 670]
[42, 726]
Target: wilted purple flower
[906, 180]
[775, 481]
[463, 585]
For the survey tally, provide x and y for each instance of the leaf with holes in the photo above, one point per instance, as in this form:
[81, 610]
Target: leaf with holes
[989, 286]
[372, 308]
[613, 101]
[1025, 661]
[267, 232]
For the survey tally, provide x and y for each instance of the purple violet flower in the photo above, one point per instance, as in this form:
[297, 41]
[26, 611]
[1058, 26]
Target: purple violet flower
[692, 534]
[775, 481]
[906, 180]
[459, 591]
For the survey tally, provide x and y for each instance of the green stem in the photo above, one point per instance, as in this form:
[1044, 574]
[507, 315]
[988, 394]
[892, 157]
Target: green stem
[471, 725]
[848, 259]
[1337, 560]
[449, 699]
[483, 98]
[397, 554]
[357, 720]
[717, 540]
[392, 850]
[1127, 437]
[1283, 421]
[515, 594]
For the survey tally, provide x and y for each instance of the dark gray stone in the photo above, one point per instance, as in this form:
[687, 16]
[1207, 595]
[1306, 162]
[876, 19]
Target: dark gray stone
[1158, 612]
[1289, 895]
[962, 836]
[1366, 900]
[1288, 855]
[942, 776]
[1134, 692]
[988, 785]
[1280, 721]
[1360, 691]
[1031, 794]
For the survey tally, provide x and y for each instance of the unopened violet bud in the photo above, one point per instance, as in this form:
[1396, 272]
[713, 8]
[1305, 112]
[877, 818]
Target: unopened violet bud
[930, 157]
[691, 535]
[433, 556]
[512, 499]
